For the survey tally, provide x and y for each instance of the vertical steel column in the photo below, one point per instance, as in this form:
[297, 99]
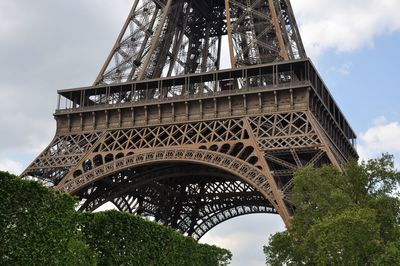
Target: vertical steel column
[117, 43]
[229, 30]
[155, 39]
[282, 47]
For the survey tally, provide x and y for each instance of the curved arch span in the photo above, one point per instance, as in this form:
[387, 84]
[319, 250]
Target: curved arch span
[191, 198]
[228, 214]
[243, 170]
[99, 198]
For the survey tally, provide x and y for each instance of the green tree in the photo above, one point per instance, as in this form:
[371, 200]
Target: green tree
[349, 218]
[37, 224]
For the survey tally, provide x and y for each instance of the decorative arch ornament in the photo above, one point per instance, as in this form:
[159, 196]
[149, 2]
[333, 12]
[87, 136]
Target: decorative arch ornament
[243, 170]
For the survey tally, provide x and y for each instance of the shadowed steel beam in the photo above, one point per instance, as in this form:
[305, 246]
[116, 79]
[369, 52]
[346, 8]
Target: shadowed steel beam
[282, 47]
[155, 40]
[230, 37]
[117, 43]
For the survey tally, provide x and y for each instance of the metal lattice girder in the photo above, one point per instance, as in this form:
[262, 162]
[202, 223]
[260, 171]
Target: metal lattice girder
[272, 132]
[281, 131]
[62, 153]
[165, 37]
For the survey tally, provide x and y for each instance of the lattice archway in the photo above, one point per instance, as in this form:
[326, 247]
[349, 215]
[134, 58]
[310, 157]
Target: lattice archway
[253, 194]
[193, 198]
[235, 166]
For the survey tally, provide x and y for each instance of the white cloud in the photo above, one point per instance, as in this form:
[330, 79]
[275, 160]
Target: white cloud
[344, 25]
[382, 137]
[11, 166]
[54, 55]
[245, 237]
[344, 69]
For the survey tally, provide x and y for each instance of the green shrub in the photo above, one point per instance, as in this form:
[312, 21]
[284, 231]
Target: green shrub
[40, 226]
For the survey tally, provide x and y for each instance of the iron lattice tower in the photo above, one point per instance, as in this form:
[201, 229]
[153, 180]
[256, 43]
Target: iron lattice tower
[164, 133]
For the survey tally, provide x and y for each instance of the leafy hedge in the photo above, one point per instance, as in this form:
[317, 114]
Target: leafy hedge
[124, 239]
[40, 226]
[37, 225]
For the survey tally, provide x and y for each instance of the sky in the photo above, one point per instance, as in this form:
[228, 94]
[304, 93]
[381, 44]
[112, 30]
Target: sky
[46, 45]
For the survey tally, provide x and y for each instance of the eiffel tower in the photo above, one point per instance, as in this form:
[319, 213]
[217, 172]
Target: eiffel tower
[166, 134]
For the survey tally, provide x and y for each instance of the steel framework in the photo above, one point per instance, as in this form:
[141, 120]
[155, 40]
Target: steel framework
[164, 133]
[169, 38]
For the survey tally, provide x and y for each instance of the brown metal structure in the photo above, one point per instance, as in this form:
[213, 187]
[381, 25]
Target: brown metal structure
[164, 133]
[167, 38]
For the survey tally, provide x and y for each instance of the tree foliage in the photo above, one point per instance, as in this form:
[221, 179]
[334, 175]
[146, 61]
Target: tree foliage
[37, 224]
[40, 226]
[349, 218]
[125, 239]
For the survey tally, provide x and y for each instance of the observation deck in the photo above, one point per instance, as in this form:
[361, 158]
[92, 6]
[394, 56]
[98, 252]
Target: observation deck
[252, 90]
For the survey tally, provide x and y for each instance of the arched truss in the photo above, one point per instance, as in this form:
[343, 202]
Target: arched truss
[192, 190]
[193, 198]
[233, 165]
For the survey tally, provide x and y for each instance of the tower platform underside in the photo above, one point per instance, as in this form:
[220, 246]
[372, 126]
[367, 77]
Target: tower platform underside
[194, 150]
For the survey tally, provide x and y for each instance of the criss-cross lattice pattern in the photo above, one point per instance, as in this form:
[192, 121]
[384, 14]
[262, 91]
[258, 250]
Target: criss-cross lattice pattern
[264, 31]
[63, 152]
[283, 131]
[173, 135]
[165, 37]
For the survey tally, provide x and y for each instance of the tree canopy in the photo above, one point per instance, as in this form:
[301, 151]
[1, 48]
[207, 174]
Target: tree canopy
[342, 218]
[39, 226]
